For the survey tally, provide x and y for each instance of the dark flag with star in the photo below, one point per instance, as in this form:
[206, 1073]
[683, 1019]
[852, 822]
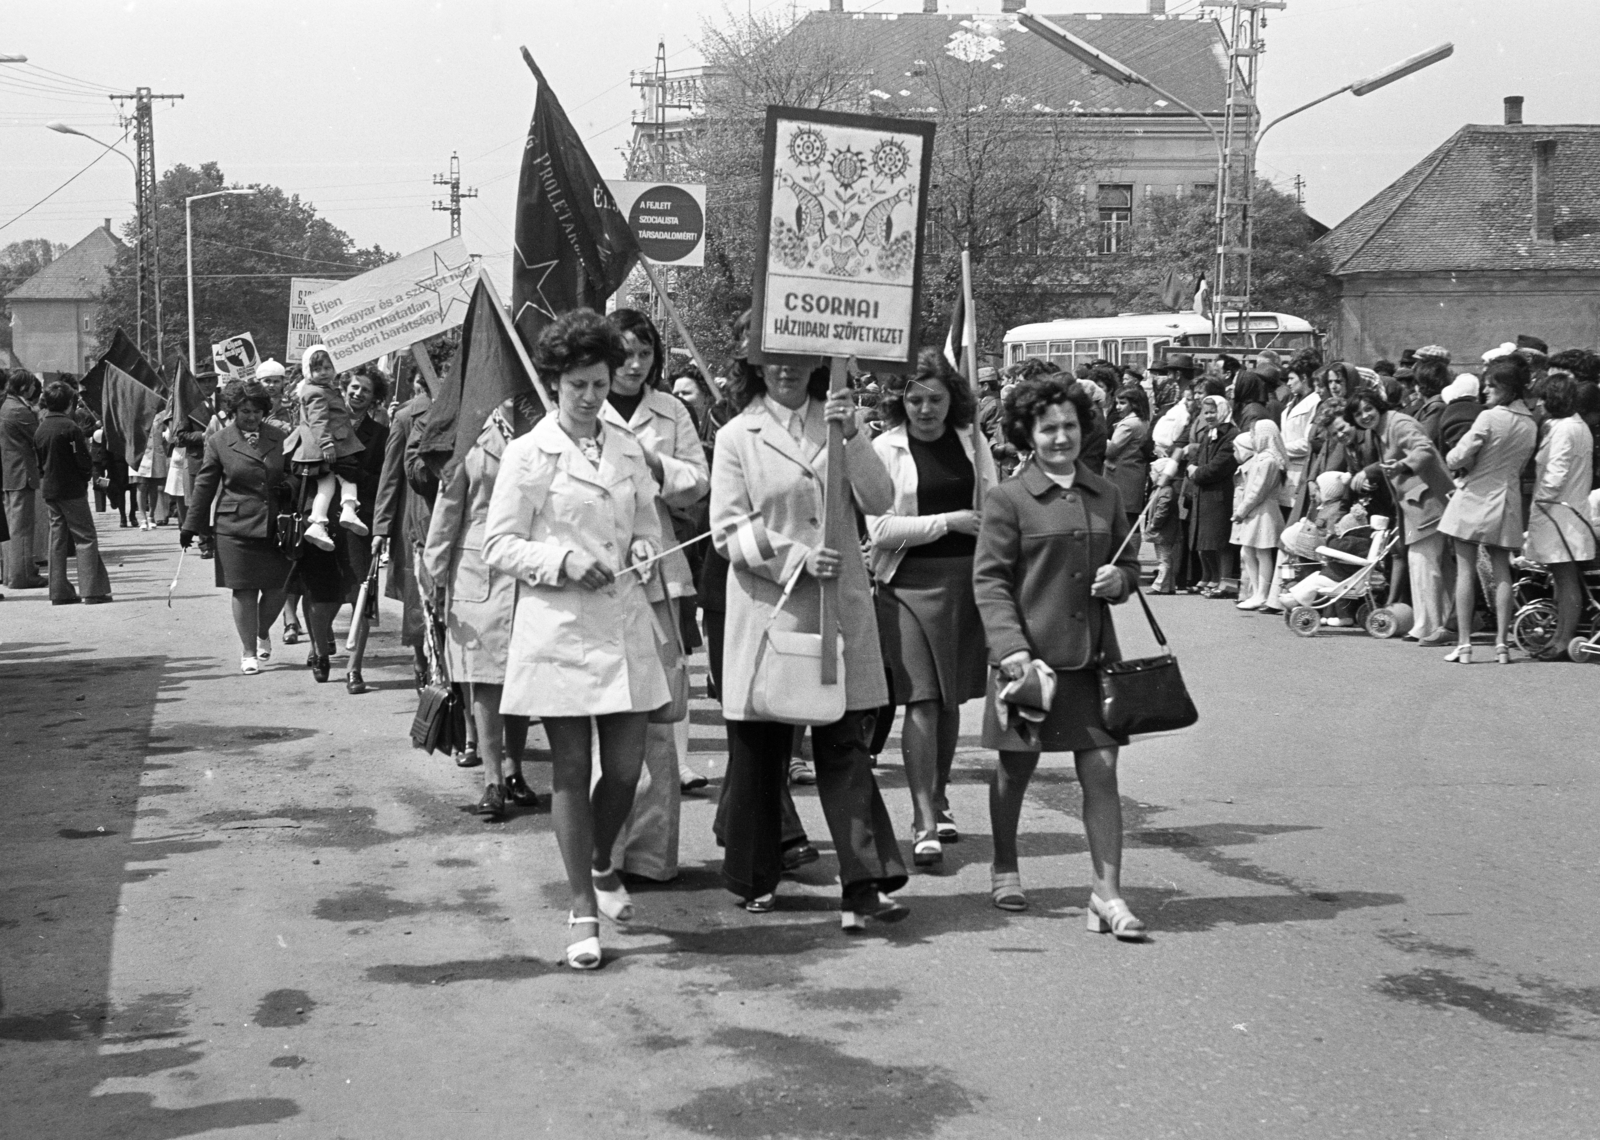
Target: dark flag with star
[573, 246]
[486, 372]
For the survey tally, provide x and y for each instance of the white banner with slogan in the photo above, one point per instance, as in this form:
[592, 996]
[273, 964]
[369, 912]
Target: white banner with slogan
[395, 305]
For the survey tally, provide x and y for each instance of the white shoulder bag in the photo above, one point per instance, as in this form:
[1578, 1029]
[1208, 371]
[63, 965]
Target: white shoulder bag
[787, 682]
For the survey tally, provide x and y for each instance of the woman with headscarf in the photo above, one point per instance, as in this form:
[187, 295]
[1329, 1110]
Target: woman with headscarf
[1211, 467]
[1486, 510]
[1559, 534]
[1257, 519]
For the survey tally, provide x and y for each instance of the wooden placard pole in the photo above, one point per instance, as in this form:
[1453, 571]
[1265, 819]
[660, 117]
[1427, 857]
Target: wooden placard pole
[837, 527]
[969, 335]
[677, 321]
[516, 341]
[419, 354]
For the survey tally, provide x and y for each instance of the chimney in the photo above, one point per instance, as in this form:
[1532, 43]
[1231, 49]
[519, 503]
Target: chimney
[836, 5]
[930, 7]
[108, 225]
[1011, 5]
[1158, 7]
[1544, 190]
[1513, 110]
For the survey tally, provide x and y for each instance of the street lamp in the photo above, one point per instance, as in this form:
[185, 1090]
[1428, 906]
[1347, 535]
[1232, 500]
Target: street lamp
[7, 57]
[1103, 64]
[188, 249]
[139, 247]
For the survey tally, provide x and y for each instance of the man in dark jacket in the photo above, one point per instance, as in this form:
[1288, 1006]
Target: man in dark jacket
[19, 477]
[65, 466]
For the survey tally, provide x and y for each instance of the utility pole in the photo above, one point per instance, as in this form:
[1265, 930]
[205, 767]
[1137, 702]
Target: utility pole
[149, 255]
[658, 105]
[1299, 190]
[1246, 25]
[453, 206]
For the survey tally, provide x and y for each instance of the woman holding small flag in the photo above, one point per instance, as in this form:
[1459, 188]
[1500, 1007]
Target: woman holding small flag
[922, 561]
[573, 509]
[767, 478]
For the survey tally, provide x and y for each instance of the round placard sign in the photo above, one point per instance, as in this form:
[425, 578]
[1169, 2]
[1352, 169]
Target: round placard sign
[668, 222]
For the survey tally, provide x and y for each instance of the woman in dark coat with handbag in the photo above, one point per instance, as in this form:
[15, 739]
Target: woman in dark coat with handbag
[236, 497]
[1051, 556]
[1211, 467]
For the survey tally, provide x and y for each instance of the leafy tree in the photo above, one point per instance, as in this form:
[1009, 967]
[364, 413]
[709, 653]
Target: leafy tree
[1005, 166]
[19, 261]
[1289, 274]
[246, 248]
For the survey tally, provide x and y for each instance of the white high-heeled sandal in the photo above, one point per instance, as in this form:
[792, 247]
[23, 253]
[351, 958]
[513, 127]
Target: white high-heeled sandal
[1114, 917]
[616, 905]
[584, 954]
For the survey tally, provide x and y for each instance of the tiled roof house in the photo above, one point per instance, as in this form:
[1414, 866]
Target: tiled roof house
[1495, 233]
[55, 313]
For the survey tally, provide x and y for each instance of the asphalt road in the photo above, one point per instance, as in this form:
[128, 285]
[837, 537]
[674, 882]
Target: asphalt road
[244, 906]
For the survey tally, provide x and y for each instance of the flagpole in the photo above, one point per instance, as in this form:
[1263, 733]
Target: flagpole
[677, 321]
[969, 333]
[511, 329]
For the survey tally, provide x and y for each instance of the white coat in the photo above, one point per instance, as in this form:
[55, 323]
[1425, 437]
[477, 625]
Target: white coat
[759, 469]
[1561, 498]
[662, 421]
[574, 651]
[902, 527]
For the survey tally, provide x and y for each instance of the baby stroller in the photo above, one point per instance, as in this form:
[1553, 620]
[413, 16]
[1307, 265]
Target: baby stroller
[1533, 626]
[1358, 600]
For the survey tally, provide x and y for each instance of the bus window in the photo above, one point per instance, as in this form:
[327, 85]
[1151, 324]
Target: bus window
[1061, 354]
[1034, 348]
[1134, 352]
[1085, 352]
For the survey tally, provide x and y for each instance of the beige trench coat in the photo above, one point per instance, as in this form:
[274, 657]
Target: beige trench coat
[575, 652]
[1558, 528]
[662, 421]
[758, 467]
[1487, 507]
[478, 598]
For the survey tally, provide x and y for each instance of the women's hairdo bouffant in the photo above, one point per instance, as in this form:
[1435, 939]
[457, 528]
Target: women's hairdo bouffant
[246, 392]
[642, 327]
[576, 340]
[1029, 398]
[1510, 374]
[931, 365]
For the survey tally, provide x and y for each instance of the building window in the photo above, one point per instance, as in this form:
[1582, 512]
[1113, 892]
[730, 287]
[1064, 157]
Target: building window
[1205, 189]
[1116, 215]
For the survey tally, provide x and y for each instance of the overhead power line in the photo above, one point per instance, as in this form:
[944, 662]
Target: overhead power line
[60, 188]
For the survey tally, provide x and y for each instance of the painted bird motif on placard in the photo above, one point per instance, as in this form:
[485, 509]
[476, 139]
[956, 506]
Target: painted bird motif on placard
[790, 243]
[843, 241]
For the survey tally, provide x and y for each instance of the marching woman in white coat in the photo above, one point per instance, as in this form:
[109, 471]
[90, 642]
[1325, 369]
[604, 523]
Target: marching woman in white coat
[767, 481]
[1559, 534]
[648, 845]
[573, 508]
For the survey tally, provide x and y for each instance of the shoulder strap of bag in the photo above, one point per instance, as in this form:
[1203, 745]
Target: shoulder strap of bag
[794, 580]
[1155, 626]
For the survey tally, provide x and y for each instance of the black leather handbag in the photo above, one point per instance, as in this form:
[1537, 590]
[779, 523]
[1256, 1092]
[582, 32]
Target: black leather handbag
[440, 723]
[1147, 694]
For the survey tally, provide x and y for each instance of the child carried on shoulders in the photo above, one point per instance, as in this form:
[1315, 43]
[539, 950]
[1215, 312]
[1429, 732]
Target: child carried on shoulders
[324, 447]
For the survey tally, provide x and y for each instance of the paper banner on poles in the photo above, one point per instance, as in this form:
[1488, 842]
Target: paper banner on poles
[395, 305]
[668, 218]
[235, 358]
[839, 271]
[302, 329]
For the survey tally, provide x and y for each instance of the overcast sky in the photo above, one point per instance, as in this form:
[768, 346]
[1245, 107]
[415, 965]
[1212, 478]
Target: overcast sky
[356, 104]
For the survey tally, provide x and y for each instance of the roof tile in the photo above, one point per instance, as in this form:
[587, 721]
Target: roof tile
[80, 274]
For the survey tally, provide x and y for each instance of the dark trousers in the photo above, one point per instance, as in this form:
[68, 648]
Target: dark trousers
[758, 772]
[72, 525]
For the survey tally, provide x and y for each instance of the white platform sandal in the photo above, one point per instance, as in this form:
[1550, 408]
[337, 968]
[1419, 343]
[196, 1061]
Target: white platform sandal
[1114, 917]
[584, 954]
[616, 905]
